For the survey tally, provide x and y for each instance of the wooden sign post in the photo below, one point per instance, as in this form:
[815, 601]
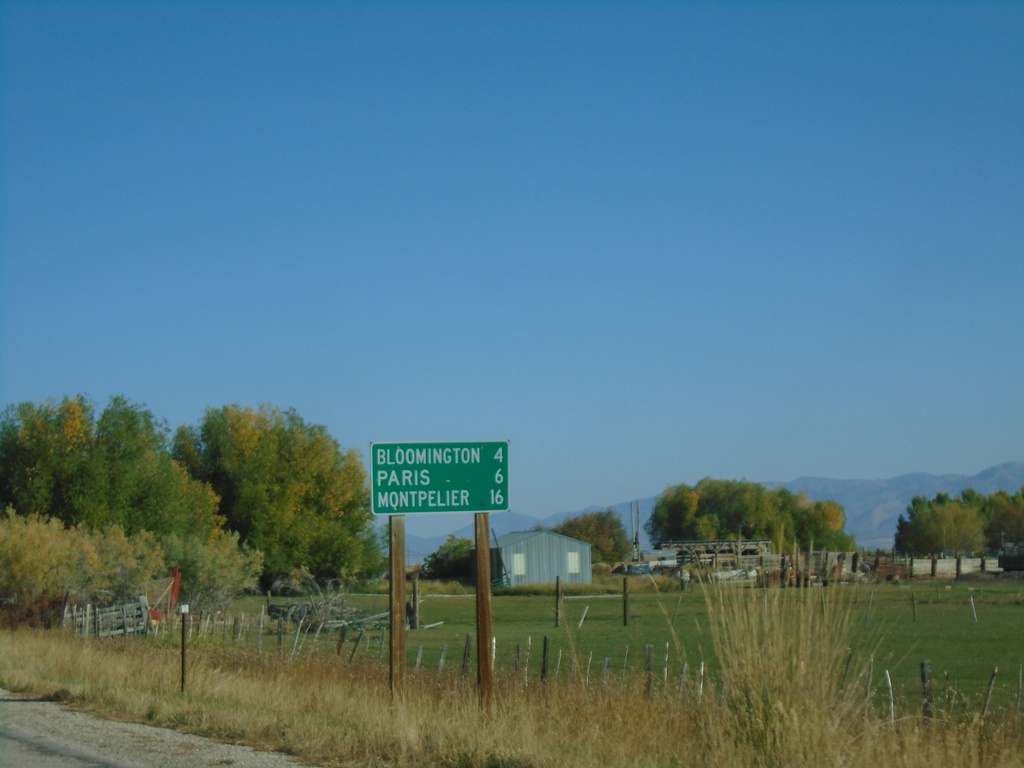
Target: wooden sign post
[414, 478]
[397, 595]
[484, 650]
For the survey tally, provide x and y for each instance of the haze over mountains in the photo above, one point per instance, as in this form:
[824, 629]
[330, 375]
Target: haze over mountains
[872, 506]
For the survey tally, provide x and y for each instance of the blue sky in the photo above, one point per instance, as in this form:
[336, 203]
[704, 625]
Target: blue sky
[644, 242]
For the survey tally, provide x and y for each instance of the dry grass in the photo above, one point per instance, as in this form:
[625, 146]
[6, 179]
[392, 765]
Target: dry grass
[791, 693]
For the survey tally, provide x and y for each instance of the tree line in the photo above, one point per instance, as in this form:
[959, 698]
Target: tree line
[741, 510]
[710, 510]
[245, 496]
[969, 523]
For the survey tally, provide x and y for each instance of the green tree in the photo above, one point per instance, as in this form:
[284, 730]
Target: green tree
[452, 560]
[946, 524]
[57, 460]
[604, 532]
[115, 477]
[286, 488]
[737, 509]
[675, 515]
[145, 489]
[47, 461]
[1005, 514]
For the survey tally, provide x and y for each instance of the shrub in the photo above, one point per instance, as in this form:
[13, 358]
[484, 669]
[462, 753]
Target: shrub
[38, 558]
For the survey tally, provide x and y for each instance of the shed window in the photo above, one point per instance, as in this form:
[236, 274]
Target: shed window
[574, 562]
[518, 563]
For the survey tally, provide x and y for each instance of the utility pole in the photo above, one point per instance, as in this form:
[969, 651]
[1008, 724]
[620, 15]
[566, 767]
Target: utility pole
[634, 519]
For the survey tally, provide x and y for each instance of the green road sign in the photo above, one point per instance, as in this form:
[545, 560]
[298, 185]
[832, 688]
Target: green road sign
[408, 478]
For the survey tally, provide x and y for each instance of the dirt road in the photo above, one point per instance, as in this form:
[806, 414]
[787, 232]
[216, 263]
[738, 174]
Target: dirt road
[40, 734]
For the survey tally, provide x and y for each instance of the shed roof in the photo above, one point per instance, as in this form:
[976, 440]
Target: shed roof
[510, 539]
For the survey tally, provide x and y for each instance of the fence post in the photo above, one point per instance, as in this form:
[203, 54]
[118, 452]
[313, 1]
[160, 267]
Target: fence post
[184, 617]
[926, 689]
[558, 601]
[414, 616]
[259, 634]
[295, 642]
[359, 640]
[988, 695]
[579, 624]
[625, 601]
[466, 653]
[649, 669]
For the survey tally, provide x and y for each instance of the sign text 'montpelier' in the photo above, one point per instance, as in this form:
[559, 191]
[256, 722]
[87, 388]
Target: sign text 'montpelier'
[408, 478]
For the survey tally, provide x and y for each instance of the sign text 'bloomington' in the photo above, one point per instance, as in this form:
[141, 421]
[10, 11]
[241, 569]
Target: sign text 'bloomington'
[408, 478]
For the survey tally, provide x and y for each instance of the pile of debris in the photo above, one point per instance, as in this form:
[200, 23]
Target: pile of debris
[329, 614]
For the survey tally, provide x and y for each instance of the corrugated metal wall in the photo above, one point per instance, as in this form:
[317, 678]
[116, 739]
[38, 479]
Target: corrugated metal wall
[537, 557]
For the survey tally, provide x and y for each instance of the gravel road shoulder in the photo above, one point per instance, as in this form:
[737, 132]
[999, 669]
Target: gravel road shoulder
[52, 729]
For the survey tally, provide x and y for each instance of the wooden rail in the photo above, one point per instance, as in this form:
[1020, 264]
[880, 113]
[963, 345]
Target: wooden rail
[124, 619]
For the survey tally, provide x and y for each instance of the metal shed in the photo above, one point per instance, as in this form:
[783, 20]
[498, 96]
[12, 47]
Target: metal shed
[538, 557]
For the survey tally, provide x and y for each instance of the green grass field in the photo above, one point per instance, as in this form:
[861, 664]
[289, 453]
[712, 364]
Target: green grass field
[793, 678]
[898, 626]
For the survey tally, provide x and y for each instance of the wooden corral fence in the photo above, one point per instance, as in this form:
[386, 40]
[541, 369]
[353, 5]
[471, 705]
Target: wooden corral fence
[806, 568]
[890, 565]
[124, 619]
[887, 565]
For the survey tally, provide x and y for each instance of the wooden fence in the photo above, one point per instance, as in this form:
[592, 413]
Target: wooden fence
[124, 619]
[883, 565]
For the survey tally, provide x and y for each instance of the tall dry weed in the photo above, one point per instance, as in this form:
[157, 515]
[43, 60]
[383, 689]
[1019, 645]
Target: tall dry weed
[786, 691]
[785, 657]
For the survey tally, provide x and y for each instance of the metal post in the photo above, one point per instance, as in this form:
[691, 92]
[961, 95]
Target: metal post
[184, 618]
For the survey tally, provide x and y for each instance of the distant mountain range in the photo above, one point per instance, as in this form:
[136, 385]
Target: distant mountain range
[872, 506]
